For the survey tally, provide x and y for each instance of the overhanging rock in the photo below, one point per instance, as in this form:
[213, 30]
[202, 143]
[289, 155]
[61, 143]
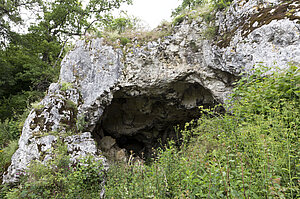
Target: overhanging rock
[131, 99]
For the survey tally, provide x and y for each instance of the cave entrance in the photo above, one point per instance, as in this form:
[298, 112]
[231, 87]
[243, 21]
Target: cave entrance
[137, 124]
[139, 144]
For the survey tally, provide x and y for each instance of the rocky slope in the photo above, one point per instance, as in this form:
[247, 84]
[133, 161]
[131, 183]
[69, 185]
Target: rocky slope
[131, 99]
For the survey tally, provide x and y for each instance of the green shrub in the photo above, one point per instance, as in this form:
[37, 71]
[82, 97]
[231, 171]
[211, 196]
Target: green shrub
[124, 41]
[9, 130]
[192, 4]
[187, 4]
[210, 32]
[80, 123]
[179, 19]
[65, 86]
[122, 23]
[221, 4]
[206, 12]
[250, 152]
[15, 105]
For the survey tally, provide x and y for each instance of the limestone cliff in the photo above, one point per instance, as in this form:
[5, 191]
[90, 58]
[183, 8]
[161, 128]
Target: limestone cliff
[129, 99]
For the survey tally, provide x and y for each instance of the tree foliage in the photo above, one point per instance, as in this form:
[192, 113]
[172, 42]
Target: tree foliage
[10, 14]
[29, 62]
[124, 22]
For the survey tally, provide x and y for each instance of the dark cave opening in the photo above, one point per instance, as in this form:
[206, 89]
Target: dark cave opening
[138, 124]
[131, 144]
[138, 145]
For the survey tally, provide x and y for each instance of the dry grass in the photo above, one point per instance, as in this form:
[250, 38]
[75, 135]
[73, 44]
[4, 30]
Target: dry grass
[139, 37]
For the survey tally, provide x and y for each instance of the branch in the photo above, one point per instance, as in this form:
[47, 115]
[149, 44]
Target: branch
[90, 26]
[61, 51]
[70, 33]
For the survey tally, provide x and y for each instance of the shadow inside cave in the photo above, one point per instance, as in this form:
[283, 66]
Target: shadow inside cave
[140, 123]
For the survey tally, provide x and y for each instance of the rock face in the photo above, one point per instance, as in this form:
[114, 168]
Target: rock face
[258, 32]
[131, 99]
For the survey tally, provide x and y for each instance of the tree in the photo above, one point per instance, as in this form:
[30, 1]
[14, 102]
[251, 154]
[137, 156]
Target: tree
[10, 14]
[62, 19]
[30, 62]
[187, 4]
[122, 23]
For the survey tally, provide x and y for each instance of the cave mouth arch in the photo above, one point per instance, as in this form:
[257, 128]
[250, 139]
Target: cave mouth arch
[137, 122]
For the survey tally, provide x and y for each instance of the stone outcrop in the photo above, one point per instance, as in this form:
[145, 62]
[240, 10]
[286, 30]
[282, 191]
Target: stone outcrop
[131, 99]
[258, 32]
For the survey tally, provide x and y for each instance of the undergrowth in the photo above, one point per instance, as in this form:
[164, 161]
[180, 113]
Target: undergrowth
[59, 177]
[10, 131]
[250, 152]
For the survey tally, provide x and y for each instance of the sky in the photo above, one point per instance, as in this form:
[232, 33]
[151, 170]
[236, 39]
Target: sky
[152, 12]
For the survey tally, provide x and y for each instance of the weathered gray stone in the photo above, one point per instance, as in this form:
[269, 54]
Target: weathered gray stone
[107, 142]
[260, 32]
[136, 95]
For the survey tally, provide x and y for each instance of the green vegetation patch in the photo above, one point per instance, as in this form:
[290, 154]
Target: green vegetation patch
[66, 86]
[5, 157]
[204, 13]
[141, 37]
[69, 120]
[59, 178]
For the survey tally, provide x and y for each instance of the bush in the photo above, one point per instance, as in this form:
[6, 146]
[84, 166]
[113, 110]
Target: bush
[250, 152]
[179, 19]
[10, 129]
[192, 4]
[122, 23]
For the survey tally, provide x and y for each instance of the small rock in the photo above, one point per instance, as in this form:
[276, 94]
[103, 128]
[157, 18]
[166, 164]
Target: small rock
[107, 143]
[121, 155]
